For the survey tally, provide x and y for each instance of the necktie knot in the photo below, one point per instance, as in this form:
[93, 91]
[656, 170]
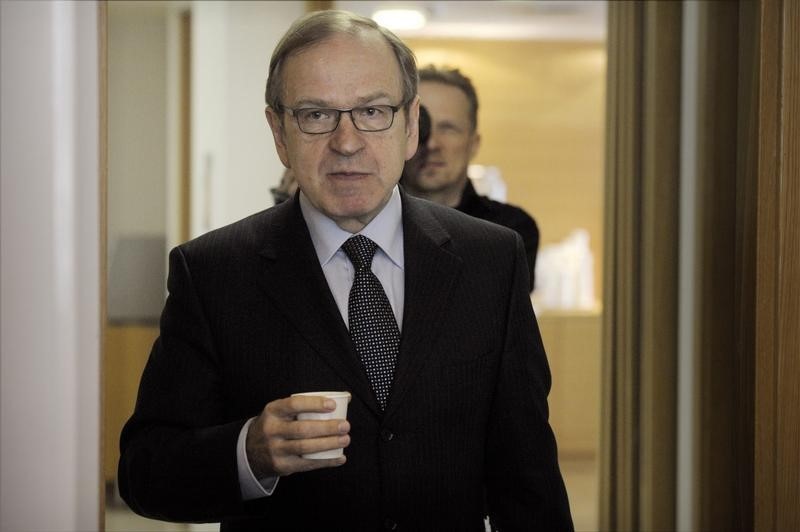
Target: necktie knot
[360, 250]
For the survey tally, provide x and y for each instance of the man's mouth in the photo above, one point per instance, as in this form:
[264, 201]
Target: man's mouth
[347, 175]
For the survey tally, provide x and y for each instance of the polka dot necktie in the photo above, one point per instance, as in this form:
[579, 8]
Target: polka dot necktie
[372, 325]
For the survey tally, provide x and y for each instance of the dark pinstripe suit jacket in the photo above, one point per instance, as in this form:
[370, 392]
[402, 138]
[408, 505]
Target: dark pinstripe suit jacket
[250, 319]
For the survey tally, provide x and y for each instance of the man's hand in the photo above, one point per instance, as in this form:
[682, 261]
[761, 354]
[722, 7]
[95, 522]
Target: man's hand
[276, 439]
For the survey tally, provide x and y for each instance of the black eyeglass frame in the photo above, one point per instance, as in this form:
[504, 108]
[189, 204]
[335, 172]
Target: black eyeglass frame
[340, 112]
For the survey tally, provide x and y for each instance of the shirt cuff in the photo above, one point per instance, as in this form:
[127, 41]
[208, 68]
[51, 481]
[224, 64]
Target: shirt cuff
[252, 488]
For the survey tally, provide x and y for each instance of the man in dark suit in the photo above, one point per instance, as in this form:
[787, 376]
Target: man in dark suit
[448, 417]
[452, 102]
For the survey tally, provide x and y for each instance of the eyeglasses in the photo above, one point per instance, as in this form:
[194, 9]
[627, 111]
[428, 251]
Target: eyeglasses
[370, 118]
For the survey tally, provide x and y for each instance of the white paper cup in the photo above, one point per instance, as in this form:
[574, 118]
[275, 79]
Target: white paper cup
[342, 399]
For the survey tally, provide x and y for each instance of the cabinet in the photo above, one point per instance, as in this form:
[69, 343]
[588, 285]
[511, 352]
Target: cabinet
[125, 353]
[572, 340]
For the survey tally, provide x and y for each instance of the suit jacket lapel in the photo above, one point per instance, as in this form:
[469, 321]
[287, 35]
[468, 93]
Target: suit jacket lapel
[292, 278]
[430, 273]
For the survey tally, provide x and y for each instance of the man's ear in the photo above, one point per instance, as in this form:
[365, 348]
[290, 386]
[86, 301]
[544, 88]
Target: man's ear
[278, 134]
[475, 143]
[412, 128]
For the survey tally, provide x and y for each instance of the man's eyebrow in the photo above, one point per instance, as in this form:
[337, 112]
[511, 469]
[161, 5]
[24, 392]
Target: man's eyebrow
[310, 102]
[372, 97]
[448, 124]
[323, 104]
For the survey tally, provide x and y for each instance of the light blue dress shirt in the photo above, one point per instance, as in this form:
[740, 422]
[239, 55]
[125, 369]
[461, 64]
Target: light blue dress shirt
[386, 230]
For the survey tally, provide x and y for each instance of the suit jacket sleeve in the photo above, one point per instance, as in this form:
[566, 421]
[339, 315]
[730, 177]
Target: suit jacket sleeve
[178, 450]
[524, 484]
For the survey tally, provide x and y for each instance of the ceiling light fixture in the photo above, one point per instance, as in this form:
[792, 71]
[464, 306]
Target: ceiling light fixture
[400, 19]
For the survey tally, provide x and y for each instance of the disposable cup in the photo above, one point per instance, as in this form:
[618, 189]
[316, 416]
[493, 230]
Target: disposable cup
[342, 399]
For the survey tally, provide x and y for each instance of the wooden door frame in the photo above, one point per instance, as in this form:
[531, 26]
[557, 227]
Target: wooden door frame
[637, 451]
[776, 309]
[746, 266]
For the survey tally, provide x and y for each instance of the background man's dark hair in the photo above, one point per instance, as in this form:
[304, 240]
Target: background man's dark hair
[454, 78]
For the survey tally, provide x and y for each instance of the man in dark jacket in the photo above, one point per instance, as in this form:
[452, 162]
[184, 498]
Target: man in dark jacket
[452, 102]
[419, 311]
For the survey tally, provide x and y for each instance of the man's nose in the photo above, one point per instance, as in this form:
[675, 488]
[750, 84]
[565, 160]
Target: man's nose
[433, 141]
[347, 139]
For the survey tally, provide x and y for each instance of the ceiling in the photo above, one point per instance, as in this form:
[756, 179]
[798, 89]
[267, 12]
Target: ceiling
[521, 19]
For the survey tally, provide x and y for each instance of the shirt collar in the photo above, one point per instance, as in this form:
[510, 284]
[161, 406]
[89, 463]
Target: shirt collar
[386, 230]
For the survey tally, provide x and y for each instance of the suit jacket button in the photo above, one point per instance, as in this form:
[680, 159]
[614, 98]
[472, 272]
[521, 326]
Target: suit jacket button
[388, 524]
[387, 435]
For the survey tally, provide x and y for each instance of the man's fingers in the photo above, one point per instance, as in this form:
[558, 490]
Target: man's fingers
[276, 439]
[289, 407]
[296, 464]
[287, 456]
[309, 465]
[292, 429]
[312, 445]
[299, 430]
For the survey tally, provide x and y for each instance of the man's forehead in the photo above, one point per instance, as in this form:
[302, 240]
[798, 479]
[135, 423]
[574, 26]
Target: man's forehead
[336, 61]
[330, 47]
[439, 97]
[434, 84]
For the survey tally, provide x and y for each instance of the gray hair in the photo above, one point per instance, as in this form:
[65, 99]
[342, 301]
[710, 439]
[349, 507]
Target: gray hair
[320, 25]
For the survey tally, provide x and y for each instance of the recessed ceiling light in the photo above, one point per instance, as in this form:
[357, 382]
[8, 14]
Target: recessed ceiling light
[400, 19]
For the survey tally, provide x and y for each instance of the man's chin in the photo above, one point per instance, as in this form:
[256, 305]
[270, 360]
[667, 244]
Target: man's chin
[432, 184]
[355, 207]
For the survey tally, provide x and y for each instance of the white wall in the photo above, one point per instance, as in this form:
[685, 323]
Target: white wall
[49, 267]
[137, 123]
[234, 163]
[137, 159]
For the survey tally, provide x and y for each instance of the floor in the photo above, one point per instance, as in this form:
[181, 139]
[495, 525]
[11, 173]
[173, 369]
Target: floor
[121, 519]
[580, 476]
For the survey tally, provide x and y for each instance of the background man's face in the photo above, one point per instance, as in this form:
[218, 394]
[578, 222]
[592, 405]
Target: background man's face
[346, 174]
[453, 142]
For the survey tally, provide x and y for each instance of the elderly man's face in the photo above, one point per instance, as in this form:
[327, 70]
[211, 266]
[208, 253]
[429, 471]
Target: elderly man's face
[347, 174]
